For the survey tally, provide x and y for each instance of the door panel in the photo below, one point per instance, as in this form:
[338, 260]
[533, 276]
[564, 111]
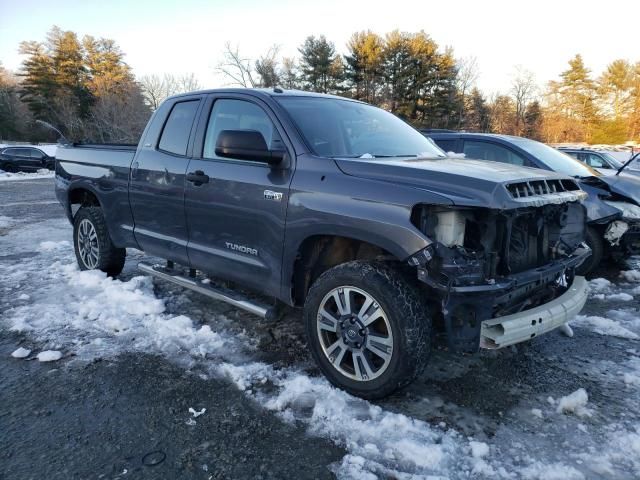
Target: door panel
[236, 220]
[156, 188]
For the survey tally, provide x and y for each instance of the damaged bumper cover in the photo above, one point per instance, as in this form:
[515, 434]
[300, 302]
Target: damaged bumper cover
[551, 295]
[519, 327]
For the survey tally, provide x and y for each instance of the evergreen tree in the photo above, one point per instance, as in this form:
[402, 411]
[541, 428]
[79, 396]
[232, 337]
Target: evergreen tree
[574, 97]
[364, 66]
[318, 67]
[533, 121]
[395, 72]
[478, 114]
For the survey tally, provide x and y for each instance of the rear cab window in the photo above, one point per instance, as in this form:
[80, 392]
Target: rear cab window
[174, 138]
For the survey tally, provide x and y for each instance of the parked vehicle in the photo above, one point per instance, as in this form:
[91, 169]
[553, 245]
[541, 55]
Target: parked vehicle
[600, 160]
[613, 205]
[340, 208]
[25, 159]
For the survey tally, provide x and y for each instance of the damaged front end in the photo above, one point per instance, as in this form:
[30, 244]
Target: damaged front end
[488, 264]
[623, 235]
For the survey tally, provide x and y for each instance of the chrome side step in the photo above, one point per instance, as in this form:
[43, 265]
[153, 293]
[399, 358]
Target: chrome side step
[232, 298]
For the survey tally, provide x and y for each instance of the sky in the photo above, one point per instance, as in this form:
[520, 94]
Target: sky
[189, 36]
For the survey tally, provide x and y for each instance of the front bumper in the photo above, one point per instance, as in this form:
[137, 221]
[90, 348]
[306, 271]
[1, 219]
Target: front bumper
[511, 329]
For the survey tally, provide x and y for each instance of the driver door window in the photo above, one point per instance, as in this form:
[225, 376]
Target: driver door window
[596, 161]
[230, 114]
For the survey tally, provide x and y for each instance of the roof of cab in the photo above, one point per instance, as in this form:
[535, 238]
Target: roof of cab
[265, 92]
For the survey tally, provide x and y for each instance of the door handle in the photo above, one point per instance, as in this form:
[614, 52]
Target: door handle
[198, 177]
[134, 169]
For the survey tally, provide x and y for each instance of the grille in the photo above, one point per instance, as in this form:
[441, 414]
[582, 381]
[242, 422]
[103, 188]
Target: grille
[541, 187]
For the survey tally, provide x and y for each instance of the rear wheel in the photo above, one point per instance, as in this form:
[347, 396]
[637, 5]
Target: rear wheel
[595, 242]
[368, 328]
[8, 167]
[93, 246]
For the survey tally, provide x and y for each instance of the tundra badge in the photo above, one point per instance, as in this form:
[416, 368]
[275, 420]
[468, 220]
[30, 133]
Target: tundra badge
[271, 195]
[241, 248]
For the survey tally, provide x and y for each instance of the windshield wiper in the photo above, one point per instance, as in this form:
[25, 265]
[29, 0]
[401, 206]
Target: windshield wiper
[627, 163]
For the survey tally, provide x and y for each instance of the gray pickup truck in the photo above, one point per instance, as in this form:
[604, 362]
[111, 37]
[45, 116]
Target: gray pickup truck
[342, 209]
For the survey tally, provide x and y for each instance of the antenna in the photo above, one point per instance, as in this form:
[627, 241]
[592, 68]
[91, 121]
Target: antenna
[62, 139]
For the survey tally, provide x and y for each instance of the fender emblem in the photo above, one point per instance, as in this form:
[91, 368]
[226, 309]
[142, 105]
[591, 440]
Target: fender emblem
[271, 195]
[241, 248]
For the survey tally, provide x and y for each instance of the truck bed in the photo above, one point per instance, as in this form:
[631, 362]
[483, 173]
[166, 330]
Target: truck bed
[108, 155]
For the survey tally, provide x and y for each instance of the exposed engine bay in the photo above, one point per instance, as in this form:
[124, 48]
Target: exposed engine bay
[487, 263]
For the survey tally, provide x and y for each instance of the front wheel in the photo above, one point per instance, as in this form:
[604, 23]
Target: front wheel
[368, 328]
[594, 241]
[93, 246]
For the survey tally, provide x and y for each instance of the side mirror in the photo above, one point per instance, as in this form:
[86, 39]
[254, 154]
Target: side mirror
[247, 145]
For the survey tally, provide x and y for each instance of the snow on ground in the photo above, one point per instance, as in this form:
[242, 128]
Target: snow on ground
[604, 326]
[49, 356]
[5, 222]
[90, 315]
[9, 176]
[575, 403]
[21, 353]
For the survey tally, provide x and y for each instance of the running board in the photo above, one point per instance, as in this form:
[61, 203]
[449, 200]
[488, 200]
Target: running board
[232, 298]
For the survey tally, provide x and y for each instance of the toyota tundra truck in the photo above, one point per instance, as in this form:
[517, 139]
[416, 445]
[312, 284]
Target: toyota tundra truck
[273, 199]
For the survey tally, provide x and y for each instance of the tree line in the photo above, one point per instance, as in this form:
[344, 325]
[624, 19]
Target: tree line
[84, 87]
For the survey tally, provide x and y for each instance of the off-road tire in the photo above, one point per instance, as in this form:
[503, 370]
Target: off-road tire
[595, 241]
[407, 314]
[110, 258]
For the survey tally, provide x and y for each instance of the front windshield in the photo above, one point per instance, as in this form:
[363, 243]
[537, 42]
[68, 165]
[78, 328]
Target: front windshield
[556, 160]
[344, 129]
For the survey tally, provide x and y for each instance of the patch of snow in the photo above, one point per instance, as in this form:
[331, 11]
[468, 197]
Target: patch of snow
[575, 403]
[479, 449]
[599, 285]
[21, 353]
[196, 413]
[621, 296]
[42, 173]
[24, 296]
[536, 412]
[605, 326]
[49, 356]
[630, 275]
[554, 471]
[49, 245]
[5, 222]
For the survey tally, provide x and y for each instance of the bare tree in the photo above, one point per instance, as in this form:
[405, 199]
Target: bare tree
[237, 69]
[524, 90]
[187, 83]
[468, 73]
[156, 88]
[267, 68]
[119, 117]
[242, 71]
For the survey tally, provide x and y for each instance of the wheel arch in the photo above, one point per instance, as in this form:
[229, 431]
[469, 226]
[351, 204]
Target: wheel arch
[319, 252]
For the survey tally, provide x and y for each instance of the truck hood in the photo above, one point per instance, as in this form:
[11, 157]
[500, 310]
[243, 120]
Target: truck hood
[465, 182]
